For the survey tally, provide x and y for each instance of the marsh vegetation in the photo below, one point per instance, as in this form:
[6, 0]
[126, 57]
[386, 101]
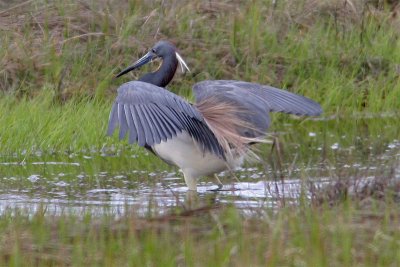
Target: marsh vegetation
[326, 194]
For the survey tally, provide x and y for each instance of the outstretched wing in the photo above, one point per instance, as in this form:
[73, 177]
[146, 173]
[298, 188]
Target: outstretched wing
[255, 101]
[151, 114]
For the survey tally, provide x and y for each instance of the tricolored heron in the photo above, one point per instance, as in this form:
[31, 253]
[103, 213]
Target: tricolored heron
[204, 138]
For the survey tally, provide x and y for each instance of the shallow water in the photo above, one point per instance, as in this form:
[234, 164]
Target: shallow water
[311, 153]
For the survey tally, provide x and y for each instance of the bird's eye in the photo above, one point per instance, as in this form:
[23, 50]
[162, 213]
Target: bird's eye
[153, 50]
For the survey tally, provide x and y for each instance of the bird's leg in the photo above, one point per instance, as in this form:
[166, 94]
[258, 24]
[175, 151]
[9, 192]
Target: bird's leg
[237, 180]
[219, 183]
[192, 200]
[190, 181]
[234, 176]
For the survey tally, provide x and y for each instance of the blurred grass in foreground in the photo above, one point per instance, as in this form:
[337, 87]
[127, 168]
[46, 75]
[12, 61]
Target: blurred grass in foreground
[349, 234]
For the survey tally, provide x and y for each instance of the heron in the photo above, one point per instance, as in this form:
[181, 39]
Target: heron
[215, 133]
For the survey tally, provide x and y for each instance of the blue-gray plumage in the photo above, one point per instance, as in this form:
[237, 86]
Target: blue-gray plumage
[257, 100]
[152, 114]
[204, 138]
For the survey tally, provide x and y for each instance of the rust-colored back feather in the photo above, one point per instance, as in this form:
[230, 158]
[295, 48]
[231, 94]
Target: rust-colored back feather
[223, 120]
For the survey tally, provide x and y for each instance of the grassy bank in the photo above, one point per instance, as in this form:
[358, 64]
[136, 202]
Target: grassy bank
[344, 54]
[40, 124]
[58, 58]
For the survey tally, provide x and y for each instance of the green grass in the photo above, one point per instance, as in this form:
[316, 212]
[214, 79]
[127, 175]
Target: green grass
[59, 58]
[346, 235]
[41, 124]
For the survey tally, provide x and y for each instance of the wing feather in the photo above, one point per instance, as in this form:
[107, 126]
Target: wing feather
[171, 119]
[153, 123]
[131, 124]
[149, 129]
[277, 100]
[152, 114]
[122, 121]
[169, 130]
[113, 119]
[145, 126]
[139, 127]
[254, 101]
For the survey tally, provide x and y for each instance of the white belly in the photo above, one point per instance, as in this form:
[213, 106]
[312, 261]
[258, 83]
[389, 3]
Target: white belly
[183, 152]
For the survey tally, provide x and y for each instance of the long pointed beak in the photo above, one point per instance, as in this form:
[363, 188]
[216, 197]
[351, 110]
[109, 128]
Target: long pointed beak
[142, 61]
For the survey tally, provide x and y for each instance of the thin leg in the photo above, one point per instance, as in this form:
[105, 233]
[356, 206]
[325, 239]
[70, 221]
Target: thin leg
[191, 200]
[190, 181]
[234, 176]
[232, 173]
[219, 183]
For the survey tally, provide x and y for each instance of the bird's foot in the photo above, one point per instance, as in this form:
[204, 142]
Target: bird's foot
[219, 183]
[219, 188]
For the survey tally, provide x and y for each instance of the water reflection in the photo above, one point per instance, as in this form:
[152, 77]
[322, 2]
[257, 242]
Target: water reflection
[157, 199]
[313, 153]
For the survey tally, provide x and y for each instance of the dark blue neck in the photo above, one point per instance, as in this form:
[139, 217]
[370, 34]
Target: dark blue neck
[164, 74]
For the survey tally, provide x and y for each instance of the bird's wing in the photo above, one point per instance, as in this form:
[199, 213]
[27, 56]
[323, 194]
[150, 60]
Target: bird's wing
[255, 101]
[151, 114]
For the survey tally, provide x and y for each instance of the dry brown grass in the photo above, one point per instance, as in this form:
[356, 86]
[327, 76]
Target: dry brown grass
[364, 187]
[73, 47]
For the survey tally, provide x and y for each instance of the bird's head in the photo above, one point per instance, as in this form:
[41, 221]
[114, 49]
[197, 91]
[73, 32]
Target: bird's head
[162, 49]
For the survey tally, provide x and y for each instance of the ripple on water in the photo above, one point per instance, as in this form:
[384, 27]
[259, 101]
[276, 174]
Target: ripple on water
[245, 195]
[97, 182]
[60, 191]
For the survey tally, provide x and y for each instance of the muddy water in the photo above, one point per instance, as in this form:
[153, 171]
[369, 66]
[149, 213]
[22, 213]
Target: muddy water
[306, 153]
